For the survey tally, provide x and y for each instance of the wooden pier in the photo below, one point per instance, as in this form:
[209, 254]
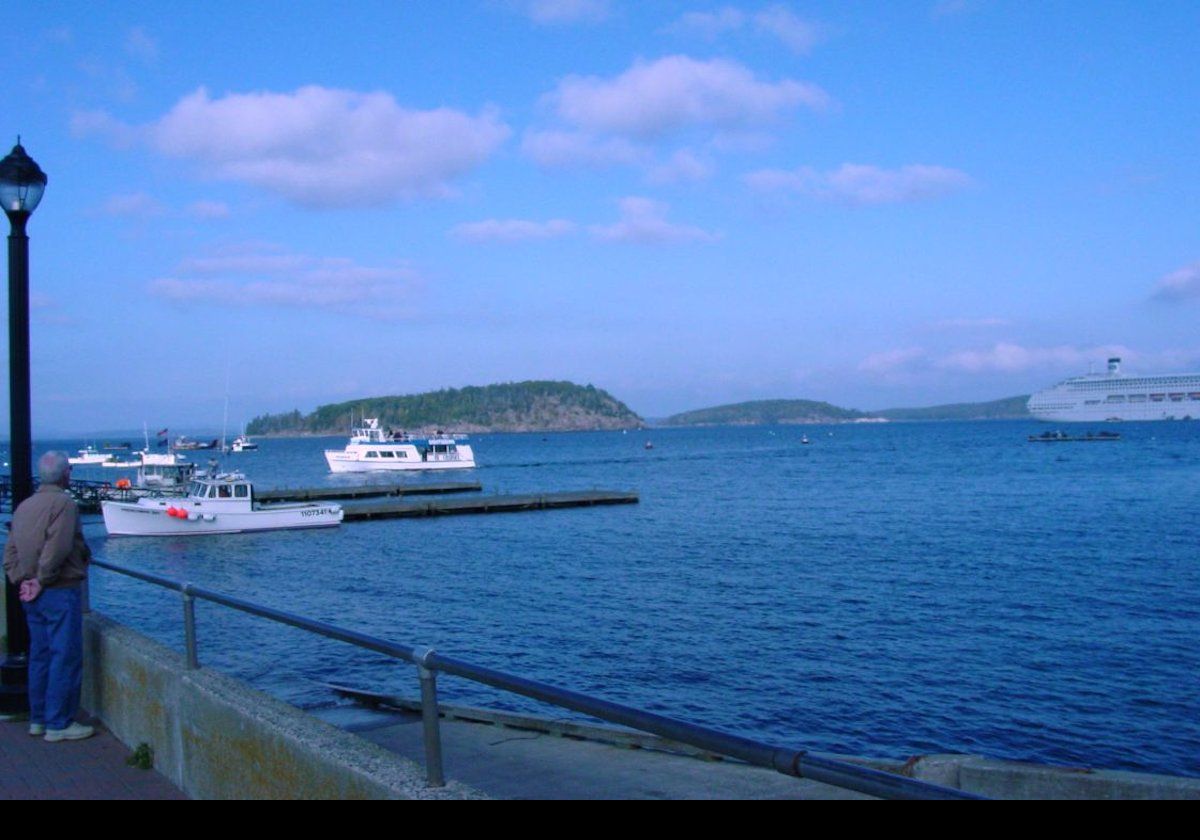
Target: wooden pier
[364, 491]
[392, 508]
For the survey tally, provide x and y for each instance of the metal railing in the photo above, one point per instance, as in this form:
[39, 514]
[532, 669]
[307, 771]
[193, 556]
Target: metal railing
[429, 663]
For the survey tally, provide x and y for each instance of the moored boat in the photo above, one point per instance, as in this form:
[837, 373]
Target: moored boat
[89, 456]
[241, 443]
[222, 504]
[186, 444]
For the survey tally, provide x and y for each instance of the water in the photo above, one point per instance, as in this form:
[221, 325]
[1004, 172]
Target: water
[887, 590]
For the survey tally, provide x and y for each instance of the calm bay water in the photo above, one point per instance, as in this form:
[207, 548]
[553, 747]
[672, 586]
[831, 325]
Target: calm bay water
[886, 590]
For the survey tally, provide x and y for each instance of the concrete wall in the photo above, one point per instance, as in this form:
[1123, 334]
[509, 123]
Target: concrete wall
[216, 738]
[1019, 780]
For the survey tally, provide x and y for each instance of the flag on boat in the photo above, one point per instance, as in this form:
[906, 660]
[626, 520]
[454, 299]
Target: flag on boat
[162, 432]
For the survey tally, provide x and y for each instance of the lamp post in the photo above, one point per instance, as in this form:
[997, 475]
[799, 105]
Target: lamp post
[22, 183]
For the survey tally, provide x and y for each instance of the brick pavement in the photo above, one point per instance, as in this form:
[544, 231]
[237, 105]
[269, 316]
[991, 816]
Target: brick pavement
[95, 768]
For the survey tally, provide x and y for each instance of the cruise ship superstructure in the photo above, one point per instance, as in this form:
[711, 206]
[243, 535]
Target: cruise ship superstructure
[1097, 397]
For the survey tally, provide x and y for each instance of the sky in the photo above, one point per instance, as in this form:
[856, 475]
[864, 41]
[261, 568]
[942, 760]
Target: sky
[277, 205]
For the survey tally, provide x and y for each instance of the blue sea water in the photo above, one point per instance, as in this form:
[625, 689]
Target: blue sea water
[886, 590]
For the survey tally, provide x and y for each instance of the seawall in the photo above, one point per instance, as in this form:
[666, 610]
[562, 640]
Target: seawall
[216, 738]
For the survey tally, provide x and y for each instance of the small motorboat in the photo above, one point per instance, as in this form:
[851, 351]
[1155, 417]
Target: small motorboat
[241, 443]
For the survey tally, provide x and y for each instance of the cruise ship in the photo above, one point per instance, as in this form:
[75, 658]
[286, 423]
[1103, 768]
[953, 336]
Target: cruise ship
[1115, 396]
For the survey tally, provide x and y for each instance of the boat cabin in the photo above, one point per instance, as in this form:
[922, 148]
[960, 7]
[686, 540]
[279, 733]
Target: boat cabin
[221, 490]
[166, 476]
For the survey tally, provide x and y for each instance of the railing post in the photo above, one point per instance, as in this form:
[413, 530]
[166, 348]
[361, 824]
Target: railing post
[430, 721]
[189, 627]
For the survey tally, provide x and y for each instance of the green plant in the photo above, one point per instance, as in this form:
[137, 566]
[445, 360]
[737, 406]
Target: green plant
[141, 758]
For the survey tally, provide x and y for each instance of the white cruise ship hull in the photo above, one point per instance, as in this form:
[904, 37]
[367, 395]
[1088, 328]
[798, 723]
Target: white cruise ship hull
[1114, 396]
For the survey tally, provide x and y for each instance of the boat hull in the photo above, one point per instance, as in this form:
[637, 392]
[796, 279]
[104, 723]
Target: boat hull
[153, 520]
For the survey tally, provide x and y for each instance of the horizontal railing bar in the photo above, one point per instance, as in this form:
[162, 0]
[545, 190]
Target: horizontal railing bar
[166, 583]
[329, 631]
[798, 763]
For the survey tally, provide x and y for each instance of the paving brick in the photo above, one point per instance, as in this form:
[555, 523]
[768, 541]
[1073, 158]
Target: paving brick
[95, 768]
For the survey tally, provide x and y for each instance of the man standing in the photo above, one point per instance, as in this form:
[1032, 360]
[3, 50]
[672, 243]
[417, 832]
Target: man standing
[47, 558]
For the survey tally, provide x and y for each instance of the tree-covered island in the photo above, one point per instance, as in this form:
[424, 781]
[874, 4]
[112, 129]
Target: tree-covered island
[509, 407]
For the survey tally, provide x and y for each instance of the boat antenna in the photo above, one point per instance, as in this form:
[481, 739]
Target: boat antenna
[225, 416]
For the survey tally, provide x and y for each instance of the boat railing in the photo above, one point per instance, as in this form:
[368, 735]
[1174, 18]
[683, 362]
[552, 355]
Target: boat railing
[429, 664]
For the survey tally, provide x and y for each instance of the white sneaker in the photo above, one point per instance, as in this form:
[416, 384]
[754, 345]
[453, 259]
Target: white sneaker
[74, 732]
[37, 730]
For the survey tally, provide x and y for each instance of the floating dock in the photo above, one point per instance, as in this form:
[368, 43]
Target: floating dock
[392, 508]
[364, 491]
[389, 501]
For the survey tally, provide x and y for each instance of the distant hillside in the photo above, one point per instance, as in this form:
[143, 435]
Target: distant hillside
[509, 407]
[1010, 408]
[765, 412]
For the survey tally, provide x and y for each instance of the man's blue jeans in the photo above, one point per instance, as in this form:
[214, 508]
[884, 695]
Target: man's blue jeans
[55, 620]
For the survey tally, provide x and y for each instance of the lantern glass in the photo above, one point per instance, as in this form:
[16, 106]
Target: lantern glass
[16, 197]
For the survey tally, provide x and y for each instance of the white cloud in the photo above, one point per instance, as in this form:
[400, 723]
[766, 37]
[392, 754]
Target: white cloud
[776, 21]
[797, 34]
[971, 323]
[267, 277]
[103, 124]
[1181, 284]
[550, 12]
[710, 25]
[571, 148]
[319, 147]
[891, 361]
[644, 222]
[1012, 358]
[512, 230]
[1000, 358]
[859, 184]
[208, 210]
[682, 166]
[652, 99]
[140, 45]
[132, 205]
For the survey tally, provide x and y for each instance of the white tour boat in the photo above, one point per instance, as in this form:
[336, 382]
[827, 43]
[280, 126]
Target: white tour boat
[223, 504]
[146, 458]
[371, 448]
[89, 456]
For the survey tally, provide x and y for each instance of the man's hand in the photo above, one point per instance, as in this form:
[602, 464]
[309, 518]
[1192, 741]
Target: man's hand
[30, 589]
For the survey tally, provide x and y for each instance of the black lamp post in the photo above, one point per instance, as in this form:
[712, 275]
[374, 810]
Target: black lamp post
[22, 183]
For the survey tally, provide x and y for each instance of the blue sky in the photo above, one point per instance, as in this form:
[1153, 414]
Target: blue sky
[876, 204]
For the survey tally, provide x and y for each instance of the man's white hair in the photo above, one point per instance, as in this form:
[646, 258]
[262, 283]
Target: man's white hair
[53, 466]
